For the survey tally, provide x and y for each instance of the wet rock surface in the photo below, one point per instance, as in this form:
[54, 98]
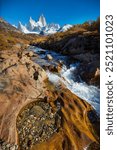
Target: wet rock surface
[35, 124]
[89, 72]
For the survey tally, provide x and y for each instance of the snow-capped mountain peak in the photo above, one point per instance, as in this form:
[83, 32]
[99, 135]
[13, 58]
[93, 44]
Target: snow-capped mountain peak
[42, 21]
[31, 25]
[41, 27]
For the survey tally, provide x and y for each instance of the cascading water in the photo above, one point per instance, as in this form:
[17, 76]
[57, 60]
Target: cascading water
[87, 92]
[81, 89]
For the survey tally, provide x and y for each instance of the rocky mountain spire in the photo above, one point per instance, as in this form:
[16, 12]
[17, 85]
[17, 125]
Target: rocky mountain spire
[22, 28]
[42, 21]
[31, 24]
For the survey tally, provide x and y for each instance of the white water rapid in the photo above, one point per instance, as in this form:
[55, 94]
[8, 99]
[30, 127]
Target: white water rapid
[87, 92]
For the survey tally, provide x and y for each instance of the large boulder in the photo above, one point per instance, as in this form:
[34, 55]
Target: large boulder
[86, 57]
[89, 72]
[18, 88]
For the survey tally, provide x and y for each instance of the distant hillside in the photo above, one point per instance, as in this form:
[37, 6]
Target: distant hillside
[5, 26]
[10, 37]
[83, 37]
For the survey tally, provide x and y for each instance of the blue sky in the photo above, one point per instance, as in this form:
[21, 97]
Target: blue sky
[55, 11]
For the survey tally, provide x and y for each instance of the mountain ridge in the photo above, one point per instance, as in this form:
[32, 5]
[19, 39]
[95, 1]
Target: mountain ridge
[42, 27]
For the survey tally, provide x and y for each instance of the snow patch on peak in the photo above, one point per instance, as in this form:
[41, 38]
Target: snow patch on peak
[22, 28]
[32, 21]
[54, 26]
[65, 28]
[14, 25]
[31, 25]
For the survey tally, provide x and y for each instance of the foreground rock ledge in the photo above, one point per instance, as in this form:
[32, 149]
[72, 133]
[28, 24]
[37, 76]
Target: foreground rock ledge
[22, 82]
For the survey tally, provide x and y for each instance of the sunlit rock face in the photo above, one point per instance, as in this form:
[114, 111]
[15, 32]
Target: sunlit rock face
[79, 123]
[21, 82]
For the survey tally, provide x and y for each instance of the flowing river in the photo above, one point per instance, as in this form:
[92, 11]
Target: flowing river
[87, 92]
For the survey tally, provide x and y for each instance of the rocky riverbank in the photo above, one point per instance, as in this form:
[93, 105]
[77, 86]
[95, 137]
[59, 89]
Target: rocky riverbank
[23, 82]
[36, 114]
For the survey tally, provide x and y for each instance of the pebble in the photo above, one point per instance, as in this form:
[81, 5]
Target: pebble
[7, 146]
